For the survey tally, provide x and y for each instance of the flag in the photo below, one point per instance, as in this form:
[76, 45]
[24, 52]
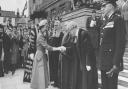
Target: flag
[25, 7]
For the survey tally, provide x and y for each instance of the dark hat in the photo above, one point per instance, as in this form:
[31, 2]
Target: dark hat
[105, 2]
[93, 11]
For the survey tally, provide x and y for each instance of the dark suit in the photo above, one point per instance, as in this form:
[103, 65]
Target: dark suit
[94, 31]
[112, 45]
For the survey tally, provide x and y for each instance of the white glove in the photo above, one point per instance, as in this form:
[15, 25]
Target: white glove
[88, 68]
[62, 49]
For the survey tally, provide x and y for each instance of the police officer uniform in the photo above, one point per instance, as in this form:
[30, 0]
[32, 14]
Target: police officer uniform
[112, 46]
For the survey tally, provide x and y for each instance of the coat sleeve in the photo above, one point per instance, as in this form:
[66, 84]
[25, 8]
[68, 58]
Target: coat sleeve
[42, 41]
[88, 23]
[120, 41]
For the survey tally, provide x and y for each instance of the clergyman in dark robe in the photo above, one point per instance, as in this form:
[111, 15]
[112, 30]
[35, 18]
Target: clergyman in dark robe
[93, 24]
[78, 65]
[93, 27]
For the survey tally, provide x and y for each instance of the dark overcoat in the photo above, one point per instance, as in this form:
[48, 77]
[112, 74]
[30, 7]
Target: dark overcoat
[112, 43]
[94, 31]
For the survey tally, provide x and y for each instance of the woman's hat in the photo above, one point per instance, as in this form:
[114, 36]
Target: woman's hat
[43, 22]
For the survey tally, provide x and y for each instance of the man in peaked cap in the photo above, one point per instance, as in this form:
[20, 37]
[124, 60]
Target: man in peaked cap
[112, 45]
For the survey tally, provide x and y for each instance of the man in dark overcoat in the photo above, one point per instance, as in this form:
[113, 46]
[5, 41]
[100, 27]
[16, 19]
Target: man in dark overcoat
[93, 28]
[112, 45]
[93, 25]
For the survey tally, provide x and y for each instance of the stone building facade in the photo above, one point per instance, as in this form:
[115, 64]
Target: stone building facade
[60, 9]
[54, 8]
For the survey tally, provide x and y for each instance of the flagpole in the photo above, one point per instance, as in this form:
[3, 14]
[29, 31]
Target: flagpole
[25, 7]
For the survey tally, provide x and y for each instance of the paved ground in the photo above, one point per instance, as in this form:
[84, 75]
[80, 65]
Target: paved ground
[15, 82]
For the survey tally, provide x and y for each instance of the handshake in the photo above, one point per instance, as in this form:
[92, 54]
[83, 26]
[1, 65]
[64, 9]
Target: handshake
[62, 49]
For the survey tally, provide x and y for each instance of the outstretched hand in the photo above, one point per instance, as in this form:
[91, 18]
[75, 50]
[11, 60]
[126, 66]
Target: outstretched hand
[62, 49]
[113, 70]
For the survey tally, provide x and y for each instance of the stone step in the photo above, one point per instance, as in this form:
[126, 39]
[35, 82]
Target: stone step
[122, 87]
[125, 66]
[126, 54]
[125, 60]
[123, 81]
[124, 73]
[126, 49]
[127, 44]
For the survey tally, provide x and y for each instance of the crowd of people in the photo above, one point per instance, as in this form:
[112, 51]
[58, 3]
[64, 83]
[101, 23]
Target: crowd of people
[16, 43]
[68, 57]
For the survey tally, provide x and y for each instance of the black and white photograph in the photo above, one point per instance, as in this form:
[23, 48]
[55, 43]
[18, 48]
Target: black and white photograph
[63, 44]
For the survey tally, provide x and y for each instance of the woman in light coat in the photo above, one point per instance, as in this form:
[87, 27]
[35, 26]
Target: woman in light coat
[40, 73]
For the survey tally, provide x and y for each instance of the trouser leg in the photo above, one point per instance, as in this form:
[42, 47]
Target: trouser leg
[109, 82]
